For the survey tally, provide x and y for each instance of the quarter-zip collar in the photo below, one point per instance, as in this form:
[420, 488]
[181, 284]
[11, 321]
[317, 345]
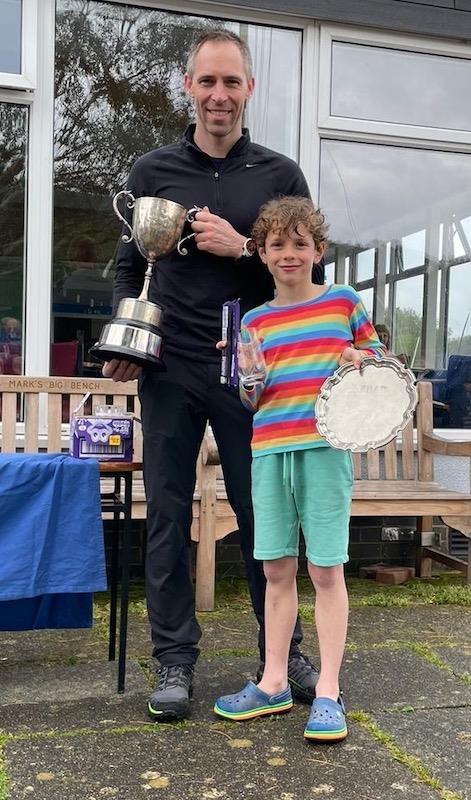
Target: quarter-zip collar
[240, 147]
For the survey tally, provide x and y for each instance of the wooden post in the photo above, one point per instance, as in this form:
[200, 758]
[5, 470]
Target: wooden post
[206, 550]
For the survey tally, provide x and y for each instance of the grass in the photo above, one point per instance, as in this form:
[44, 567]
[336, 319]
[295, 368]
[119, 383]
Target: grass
[448, 588]
[4, 780]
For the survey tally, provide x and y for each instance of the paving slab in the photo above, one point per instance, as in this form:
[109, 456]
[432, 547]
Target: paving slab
[440, 738]
[422, 624]
[87, 714]
[262, 760]
[384, 678]
[67, 683]
[50, 646]
[236, 630]
[374, 679]
[458, 658]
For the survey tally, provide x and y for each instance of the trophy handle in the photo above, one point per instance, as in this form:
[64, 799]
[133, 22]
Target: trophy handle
[130, 204]
[190, 217]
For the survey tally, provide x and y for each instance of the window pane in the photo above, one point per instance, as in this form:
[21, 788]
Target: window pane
[407, 321]
[10, 36]
[13, 137]
[412, 207]
[389, 85]
[273, 112]
[119, 94]
[365, 265]
[367, 297]
[459, 310]
[330, 272]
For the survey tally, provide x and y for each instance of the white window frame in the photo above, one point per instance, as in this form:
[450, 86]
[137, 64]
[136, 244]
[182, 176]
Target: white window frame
[22, 99]
[26, 79]
[390, 41]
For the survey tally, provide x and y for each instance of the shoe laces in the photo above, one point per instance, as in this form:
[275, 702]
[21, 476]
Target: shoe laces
[172, 677]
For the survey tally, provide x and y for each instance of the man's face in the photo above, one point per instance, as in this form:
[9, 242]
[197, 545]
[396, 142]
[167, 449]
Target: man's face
[220, 88]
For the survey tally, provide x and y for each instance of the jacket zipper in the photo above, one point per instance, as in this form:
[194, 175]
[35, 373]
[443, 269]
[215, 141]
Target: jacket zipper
[217, 177]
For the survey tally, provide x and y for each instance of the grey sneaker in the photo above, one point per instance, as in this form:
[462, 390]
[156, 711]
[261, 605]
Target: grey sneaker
[302, 677]
[171, 698]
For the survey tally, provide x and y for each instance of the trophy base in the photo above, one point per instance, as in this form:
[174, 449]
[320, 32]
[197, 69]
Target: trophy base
[126, 339]
[105, 352]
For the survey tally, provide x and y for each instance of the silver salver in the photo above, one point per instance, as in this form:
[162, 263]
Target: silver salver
[363, 409]
[156, 229]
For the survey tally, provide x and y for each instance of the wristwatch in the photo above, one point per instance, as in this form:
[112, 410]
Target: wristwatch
[248, 248]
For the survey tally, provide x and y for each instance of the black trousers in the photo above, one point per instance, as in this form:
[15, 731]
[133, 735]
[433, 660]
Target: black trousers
[176, 404]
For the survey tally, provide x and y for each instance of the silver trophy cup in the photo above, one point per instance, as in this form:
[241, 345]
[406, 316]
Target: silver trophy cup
[134, 334]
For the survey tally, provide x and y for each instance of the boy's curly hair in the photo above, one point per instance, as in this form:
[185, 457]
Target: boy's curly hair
[285, 214]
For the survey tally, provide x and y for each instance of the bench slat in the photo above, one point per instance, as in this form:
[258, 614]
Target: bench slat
[54, 422]
[407, 458]
[390, 460]
[8, 422]
[31, 423]
[356, 458]
[372, 461]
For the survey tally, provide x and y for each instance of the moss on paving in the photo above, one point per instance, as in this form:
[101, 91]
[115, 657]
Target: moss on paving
[412, 763]
[4, 781]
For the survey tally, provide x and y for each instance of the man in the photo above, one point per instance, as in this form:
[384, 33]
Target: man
[217, 167]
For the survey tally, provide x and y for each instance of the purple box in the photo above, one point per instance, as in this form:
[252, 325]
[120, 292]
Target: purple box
[107, 438]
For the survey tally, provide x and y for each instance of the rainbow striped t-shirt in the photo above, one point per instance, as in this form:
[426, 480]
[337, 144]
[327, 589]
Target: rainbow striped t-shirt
[301, 345]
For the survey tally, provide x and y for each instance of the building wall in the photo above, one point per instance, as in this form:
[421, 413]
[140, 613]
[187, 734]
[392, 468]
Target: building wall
[443, 18]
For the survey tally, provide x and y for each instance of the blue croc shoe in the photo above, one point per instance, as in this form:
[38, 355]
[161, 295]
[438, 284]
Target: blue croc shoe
[252, 702]
[326, 721]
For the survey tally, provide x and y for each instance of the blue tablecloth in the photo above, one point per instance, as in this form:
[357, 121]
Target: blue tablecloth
[51, 534]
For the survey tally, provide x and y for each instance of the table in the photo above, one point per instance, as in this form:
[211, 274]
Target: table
[119, 503]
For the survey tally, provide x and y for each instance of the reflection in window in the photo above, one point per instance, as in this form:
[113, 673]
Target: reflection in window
[13, 137]
[330, 272]
[413, 250]
[407, 320]
[10, 36]
[459, 310]
[119, 94]
[387, 85]
[367, 297]
[365, 265]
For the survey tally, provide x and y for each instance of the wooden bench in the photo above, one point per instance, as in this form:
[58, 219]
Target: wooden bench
[397, 481]
[35, 414]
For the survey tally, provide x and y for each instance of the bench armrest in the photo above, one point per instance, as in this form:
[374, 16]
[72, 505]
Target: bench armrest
[445, 447]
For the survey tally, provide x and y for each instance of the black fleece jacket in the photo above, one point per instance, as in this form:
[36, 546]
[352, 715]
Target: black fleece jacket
[191, 289]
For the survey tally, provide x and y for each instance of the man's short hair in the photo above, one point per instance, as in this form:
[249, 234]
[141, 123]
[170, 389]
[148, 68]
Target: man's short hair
[284, 214]
[219, 35]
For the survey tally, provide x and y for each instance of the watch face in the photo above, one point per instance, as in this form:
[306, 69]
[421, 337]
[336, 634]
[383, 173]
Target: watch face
[250, 246]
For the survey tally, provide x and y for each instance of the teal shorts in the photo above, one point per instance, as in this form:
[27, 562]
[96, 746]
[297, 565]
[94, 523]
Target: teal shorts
[308, 488]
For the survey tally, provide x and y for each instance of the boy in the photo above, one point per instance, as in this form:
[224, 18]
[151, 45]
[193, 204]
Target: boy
[305, 333]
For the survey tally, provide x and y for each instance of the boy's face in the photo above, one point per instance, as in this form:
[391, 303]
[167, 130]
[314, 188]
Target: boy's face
[290, 255]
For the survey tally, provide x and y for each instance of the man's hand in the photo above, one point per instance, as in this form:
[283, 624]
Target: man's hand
[121, 370]
[351, 356]
[216, 235]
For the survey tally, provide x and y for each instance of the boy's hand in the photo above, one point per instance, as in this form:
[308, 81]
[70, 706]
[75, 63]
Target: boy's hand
[351, 356]
[221, 345]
